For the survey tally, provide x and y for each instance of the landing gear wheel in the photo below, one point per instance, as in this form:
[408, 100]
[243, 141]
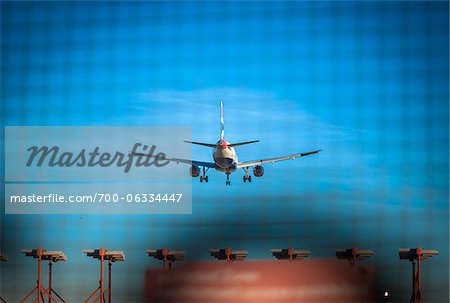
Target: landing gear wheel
[204, 176]
[247, 177]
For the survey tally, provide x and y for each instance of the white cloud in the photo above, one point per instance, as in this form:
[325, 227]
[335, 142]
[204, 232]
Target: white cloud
[244, 108]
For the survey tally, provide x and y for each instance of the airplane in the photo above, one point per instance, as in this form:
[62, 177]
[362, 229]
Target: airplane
[225, 158]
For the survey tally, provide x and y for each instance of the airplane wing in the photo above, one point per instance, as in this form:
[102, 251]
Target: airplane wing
[276, 159]
[184, 161]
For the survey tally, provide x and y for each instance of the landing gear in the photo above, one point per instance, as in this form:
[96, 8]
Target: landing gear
[204, 176]
[247, 177]
[228, 182]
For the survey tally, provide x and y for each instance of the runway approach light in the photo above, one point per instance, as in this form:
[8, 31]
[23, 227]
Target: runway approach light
[353, 255]
[101, 253]
[111, 256]
[418, 253]
[166, 255]
[290, 254]
[228, 255]
[386, 296]
[47, 255]
[50, 256]
[413, 254]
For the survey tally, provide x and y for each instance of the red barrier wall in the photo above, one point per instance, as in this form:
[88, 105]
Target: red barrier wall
[261, 281]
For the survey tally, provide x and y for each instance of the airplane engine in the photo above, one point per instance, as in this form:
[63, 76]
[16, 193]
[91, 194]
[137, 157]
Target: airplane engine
[258, 171]
[194, 171]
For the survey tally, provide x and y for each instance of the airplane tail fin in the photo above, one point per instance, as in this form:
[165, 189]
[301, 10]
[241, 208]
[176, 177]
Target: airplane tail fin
[222, 126]
[222, 135]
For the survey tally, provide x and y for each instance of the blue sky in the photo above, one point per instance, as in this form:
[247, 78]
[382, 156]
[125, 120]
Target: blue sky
[367, 82]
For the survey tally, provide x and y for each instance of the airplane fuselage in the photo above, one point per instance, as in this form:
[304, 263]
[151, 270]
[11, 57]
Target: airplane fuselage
[225, 157]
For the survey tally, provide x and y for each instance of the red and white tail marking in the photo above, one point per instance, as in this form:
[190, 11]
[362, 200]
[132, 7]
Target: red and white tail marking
[222, 126]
